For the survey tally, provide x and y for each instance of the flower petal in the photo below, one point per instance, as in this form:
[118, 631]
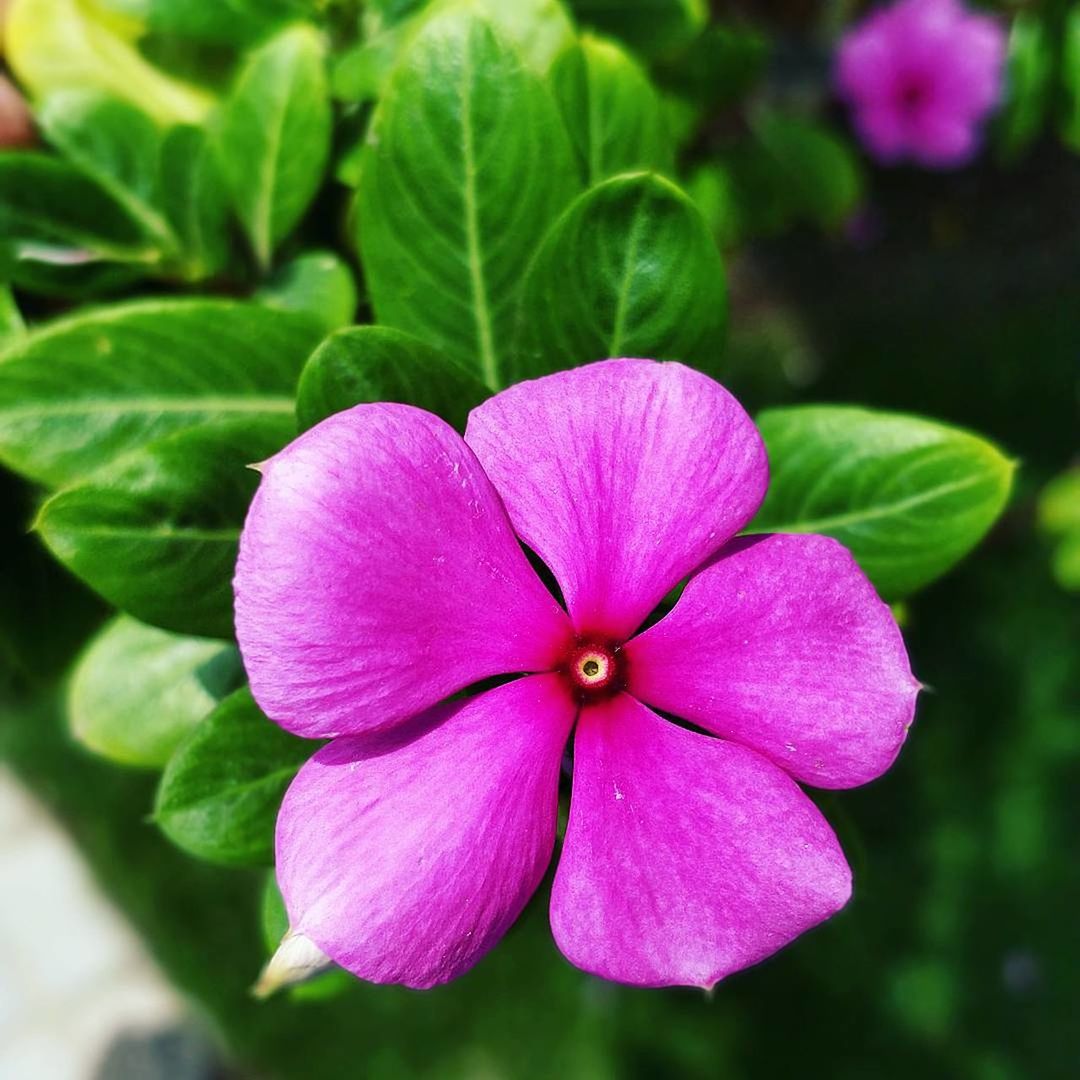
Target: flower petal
[378, 574]
[623, 476]
[405, 857]
[686, 858]
[782, 644]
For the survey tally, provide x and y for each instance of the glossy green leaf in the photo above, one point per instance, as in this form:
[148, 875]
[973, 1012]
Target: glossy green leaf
[155, 532]
[319, 284]
[78, 44]
[195, 201]
[114, 144]
[53, 214]
[273, 138]
[467, 165]
[137, 691]
[84, 389]
[908, 496]
[219, 796]
[649, 27]
[629, 270]
[611, 110]
[377, 363]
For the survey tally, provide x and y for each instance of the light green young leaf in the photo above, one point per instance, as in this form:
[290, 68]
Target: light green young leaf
[219, 796]
[156, 532]
[51, 213]
[908, 496]
[319, 284]
[59, 44]
[467, 166]
[195, 201]
[273, 137]
[629, 270]
[137, 691]
[611, 110]
[377, 363]
[115, 145]
[652, 28]
[84, 389]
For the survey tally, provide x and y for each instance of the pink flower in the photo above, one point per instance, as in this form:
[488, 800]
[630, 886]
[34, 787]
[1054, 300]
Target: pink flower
[380, 572]
[921, 76]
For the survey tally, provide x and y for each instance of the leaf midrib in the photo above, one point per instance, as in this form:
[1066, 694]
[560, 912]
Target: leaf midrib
[277, 404]
[859, 517]
[489, 364]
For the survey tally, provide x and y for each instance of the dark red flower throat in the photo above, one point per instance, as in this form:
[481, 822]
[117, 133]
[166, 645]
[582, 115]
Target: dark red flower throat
[594, 669]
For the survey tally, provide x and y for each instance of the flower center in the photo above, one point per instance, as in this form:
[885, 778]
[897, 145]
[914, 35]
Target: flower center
[594, 668]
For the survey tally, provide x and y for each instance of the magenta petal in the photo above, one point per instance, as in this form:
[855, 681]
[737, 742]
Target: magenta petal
[405, 859]
[623, 476]
[378, 574]
[783, 645]
[686, 858]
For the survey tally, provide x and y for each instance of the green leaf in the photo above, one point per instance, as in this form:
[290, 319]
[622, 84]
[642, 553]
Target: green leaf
[817, 173]
[273, 139]
[137, 691]
[115, 145]
[53, 214]
[1070, 77]
[377, 363]
[59, 44]
[908, 497]
[156, 532]
[611, 110]
[235, 22]
[538, 29]
[629, 270]
[711, 188]
[220, 793]
[652, 28]
[467, 165]
[319, 284]
[195, 201]
[1059, 518]
[1028, 81]
[12, 327]
[84, 389]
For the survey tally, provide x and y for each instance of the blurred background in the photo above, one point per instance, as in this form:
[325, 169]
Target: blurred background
[955, 294]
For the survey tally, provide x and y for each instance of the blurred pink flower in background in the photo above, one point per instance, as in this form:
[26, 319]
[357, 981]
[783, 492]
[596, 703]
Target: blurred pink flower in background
[921, 76]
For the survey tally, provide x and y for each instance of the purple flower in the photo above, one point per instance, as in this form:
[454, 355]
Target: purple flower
[380, 572]
[921, 75]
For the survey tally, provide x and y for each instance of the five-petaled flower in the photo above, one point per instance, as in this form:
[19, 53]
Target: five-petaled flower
[381, 572]
[921, 76]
